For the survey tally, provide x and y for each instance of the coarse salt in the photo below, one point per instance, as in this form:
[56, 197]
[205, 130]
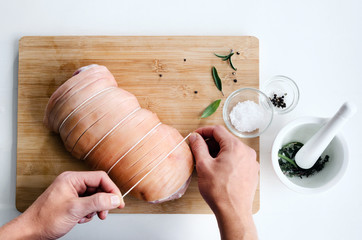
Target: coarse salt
[247, 116]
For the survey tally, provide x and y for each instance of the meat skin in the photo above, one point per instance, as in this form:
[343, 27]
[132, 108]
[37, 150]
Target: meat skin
[106, 127]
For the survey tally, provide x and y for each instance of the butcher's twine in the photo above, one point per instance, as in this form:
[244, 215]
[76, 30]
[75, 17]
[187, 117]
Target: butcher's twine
[110, 131]
[183, 140]
[149, 132]
[80, 105]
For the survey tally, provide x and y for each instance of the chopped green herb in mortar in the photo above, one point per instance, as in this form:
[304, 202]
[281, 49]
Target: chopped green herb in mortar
[287, 161]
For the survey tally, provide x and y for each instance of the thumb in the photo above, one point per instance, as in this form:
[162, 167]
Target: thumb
[199, 147]
[99, 202]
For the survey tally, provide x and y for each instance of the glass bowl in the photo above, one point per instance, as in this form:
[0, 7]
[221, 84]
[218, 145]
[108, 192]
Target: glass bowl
[264, 111]
[286, 87]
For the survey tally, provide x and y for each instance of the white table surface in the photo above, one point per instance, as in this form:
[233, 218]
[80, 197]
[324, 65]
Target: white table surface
[317, 43]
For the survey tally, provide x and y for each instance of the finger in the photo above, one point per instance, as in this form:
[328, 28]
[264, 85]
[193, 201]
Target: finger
[94, 179]
[218, 132]
[121, 206]
[199, 147]
[98, 202]
[102, 214]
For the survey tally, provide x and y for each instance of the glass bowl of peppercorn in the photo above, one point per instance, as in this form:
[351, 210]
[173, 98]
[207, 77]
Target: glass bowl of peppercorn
[283, 92]
[325, 173]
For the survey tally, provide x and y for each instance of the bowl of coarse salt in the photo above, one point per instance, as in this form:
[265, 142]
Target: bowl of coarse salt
[247, 112]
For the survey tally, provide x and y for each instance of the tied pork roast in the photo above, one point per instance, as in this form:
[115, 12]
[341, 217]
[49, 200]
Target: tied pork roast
[105, 126]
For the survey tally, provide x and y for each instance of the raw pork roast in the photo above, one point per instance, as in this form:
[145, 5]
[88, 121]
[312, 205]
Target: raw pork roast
[105, 126]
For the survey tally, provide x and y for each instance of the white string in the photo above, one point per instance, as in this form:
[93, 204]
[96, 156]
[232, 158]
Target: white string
[156, 165]
[79, 106]
[111, 131]
[133, 147]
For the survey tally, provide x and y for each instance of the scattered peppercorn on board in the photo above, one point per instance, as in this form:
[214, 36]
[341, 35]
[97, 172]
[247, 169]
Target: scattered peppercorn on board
[170, 75]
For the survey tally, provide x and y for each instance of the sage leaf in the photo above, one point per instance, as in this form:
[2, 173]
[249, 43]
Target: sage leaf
[217, 79]
[211, 109]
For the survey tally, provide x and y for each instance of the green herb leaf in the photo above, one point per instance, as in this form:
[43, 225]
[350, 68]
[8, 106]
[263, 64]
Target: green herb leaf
[217, 79]
[211, 109]
[224, 57]
[227, 57]
[221, 56]
[287, 159]
[231, 64]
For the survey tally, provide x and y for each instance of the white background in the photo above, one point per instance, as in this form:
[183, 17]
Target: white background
[316, 43]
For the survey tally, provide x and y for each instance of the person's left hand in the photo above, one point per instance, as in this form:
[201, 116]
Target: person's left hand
[73, 197]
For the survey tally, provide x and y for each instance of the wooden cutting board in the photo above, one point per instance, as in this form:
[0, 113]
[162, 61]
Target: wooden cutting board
[163, 72]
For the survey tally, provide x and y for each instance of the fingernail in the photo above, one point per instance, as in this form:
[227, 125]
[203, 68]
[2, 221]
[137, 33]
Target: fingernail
[192, 137]
[115, 201]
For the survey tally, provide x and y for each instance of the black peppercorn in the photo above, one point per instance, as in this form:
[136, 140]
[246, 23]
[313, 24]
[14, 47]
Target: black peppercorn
[237, 53]
[195, 92]
[278, 101]
[160, 75]
[235, 80]
[184, 59]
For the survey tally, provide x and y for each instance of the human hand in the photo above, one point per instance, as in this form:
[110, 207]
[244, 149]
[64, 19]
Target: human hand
[73, 197]
[227, 181]
[231, 177]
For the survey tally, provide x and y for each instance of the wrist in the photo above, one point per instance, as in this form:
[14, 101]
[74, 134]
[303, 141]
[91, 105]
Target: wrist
[23, 227]
[242, 215]
[18, 229]
[235, 223]
[233, 208]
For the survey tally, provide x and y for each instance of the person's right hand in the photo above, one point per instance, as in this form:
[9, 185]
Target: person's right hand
[73, 197]
[227, 181]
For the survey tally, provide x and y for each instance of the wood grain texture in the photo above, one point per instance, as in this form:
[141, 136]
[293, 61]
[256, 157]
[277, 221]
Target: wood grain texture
[163, 73]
